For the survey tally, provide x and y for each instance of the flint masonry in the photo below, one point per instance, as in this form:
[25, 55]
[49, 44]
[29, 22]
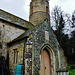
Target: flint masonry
[43, 54]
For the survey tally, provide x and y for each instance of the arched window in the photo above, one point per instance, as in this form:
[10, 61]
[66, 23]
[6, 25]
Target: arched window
[47, 9]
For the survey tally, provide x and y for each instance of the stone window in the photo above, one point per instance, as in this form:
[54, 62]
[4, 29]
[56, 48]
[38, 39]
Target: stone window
[15, 55]
[3, 31]
[0, 37]
[31, 11]
[47, 9]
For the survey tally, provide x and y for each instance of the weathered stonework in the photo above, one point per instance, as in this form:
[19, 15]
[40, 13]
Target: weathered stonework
[17, 34]
[8, 33]
[39, 42]
[38, 17]
[12, 65]
[19, 47]
[37, 36]
[14, 19]
[39, 11]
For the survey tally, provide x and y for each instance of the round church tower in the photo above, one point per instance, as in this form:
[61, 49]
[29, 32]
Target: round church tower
[39, 11]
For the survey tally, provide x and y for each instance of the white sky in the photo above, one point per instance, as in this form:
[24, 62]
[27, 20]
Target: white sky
[21, 7]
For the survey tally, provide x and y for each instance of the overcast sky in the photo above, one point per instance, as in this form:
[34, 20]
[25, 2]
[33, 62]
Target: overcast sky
[21, 7]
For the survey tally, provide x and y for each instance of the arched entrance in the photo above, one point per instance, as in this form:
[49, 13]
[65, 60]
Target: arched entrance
[45, 62]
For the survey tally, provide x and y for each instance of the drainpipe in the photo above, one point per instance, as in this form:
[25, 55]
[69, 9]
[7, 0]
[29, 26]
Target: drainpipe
[25, 39]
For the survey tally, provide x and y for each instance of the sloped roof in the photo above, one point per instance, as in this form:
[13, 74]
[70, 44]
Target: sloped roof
[14, 19]
[26, 34]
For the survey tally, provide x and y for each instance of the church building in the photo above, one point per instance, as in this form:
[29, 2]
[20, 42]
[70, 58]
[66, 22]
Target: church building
[31, 44]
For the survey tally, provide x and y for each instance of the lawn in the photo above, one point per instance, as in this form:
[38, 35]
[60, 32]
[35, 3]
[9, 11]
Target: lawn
[71, 71]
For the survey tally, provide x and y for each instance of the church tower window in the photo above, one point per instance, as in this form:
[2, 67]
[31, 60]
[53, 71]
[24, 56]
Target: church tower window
[47, 9]
[31, 11]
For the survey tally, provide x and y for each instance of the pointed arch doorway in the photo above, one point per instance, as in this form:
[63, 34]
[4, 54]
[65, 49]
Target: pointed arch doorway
[45, 62]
